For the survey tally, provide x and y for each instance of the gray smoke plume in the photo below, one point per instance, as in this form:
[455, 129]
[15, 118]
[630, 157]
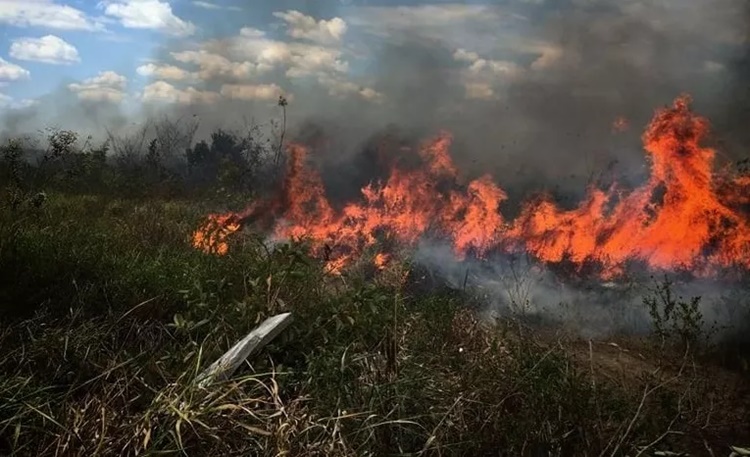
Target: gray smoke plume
[544, 80]
[516, 286]
[530, 90]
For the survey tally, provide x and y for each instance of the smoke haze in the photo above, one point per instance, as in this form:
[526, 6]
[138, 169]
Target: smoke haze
[530, 89]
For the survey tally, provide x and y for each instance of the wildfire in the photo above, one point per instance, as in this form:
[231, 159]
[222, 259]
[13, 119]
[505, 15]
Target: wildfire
[212, 236]
[380, 260]
[684, 217]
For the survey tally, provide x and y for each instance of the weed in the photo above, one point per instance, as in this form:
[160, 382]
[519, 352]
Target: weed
[674, 317]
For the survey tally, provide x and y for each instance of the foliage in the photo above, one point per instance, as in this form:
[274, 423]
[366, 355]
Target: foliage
[673, 316]
[156, 159]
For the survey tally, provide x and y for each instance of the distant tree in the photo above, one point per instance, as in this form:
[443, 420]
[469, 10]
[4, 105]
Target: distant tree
[198, 155]
[12, 165]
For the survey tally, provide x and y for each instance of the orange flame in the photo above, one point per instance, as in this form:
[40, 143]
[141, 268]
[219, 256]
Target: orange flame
[380, 260]
[212, 236]
[684, 217]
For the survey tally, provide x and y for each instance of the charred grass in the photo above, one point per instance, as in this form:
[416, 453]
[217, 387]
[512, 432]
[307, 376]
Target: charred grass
[107, 315]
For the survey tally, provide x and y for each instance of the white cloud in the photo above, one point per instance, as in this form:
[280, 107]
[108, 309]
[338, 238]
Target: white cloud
[23, 103]
[47, 14]
[339, 88]
[252, 91]
[479, 91]
[163, 92]
[481, 77]
[212, 66]
[12, 72]
[7, 102]
[462, 55]
[214, 6]
[106, 86]
[316, 61]
[499, 68]
[300, 59]
[147, 14]
[237, 60]
[479, 65]
[301, 26]
[169, 72]
[548, 56]
[48, 49]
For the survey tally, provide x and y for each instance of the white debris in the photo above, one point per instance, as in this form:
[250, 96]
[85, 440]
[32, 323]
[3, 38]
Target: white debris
[228, 363]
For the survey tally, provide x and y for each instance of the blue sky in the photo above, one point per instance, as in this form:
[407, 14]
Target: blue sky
[132, 52]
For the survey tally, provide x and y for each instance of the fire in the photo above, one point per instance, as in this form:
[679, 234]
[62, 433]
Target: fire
[685, 216]
[212, 236]
[380, 260]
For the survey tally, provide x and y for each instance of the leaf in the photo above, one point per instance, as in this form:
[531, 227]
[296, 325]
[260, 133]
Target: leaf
[255, 430]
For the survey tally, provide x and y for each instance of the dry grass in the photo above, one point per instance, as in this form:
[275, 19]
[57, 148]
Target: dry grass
[109, 314]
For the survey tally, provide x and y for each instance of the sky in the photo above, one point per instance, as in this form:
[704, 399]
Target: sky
[533, 78]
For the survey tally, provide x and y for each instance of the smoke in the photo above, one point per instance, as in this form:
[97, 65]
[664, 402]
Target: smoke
[530, 89]
[62, 109]
[545, 84]
[521, 288]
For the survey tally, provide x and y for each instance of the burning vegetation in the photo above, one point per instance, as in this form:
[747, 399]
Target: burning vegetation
[104, 303]
[686, 216]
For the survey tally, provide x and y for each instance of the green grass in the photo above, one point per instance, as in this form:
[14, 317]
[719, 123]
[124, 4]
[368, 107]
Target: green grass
[107, 314]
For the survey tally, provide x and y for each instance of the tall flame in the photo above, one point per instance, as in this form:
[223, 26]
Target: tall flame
[684, 216]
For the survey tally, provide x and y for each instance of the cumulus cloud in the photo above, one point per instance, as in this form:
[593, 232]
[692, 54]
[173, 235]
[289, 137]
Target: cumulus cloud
[478, 65]
[341, 88]
[479, 90]
[462, 55]
[47, 14]
[9, 103]
[481, 77]
[48, 49]
[169, 72]
[251, 54]
[215, 6]
[500, 68]
[147, 14]
[214, 66]
[107, 86]
[12, 72]
[252, 91]
[14, 104]
[163, 92]
[299, 59]
[301, 26]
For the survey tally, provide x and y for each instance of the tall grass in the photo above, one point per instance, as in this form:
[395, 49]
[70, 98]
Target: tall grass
[108, 314]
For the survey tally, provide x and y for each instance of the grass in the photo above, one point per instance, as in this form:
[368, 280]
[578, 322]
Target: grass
[107, 314]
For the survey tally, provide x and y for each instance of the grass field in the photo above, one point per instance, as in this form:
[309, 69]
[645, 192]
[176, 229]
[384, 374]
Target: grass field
[108, 313]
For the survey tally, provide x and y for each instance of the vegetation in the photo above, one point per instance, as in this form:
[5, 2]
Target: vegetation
[107, 314]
